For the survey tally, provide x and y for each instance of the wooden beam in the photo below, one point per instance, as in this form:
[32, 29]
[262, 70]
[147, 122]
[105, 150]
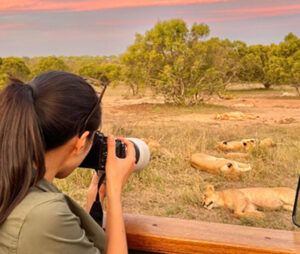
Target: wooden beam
[168, 235]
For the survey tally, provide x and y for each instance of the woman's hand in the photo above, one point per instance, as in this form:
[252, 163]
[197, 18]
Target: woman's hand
[118, 170]
[92, 192]
[117, 173]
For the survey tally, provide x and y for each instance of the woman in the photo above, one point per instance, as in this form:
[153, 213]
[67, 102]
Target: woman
[46, 130]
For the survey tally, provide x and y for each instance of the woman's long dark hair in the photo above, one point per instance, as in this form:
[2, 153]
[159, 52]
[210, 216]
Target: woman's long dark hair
[34, 118]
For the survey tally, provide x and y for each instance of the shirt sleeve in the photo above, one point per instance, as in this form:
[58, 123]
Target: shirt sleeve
[51, 227]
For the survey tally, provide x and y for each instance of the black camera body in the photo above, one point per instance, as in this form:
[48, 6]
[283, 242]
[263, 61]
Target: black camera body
[96, 159]
[97, 156]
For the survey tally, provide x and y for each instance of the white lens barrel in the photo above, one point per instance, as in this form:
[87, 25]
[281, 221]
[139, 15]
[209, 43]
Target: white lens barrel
[144, 153]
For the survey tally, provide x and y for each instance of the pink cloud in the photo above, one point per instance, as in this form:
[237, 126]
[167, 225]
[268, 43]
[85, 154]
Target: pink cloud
[124, 22]
[259, 12]
[88, 5]
[11, 26]
[241, 14]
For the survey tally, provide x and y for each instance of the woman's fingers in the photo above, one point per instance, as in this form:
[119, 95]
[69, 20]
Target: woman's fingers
[111, 147]
[130, 151]
[102, 192]
[118, 170]
[95, 180]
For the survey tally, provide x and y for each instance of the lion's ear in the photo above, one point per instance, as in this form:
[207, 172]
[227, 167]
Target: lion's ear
[250, 142]
[210, 188]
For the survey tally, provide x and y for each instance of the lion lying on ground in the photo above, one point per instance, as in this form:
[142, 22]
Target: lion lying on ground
[236, 156]
[236, 146]
[244, 145]
[216, 165]
[236, 116]
[156, 148]
[245, 202]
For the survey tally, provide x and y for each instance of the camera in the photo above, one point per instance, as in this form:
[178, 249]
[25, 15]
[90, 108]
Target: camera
[96, 158]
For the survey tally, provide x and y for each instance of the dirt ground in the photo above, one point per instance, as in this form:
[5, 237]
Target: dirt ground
[270, 109]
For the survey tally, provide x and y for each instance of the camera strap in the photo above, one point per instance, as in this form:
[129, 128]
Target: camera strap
[96, 211]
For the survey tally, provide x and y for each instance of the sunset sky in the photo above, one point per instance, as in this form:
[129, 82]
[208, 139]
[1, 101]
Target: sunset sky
[107, 27]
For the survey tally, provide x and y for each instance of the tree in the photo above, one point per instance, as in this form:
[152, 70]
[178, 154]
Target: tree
[107, 72]
[76, 62]
[254, 63]
[275, 71]
[92, 71]
[134, 69]
[294, 67]
[273, 64]
[50, 63]
[14, 67]
[3, 80]
[173, 60]
[177, 63]
[289, 49]
[289, 46]
[221, 63]
[265, 65]
[112, 71]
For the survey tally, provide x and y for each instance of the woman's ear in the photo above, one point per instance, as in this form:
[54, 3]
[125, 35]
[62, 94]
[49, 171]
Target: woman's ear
[81, 142]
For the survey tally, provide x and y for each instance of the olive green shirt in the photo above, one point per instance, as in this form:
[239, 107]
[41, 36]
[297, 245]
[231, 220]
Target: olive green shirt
[48, 221]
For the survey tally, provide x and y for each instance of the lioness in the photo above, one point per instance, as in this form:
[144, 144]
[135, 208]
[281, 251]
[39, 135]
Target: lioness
[237, 116]
[236, 146]
[244, 145]
[236, 156]
[245, 202]
[156, 148]
[216, 165]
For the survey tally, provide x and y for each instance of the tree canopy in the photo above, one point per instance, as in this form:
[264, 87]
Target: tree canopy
[12, 67]
[166, 58]
[50, 63]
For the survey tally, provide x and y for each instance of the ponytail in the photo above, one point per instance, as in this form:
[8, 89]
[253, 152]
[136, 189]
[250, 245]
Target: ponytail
[21, 146]
[34, 119]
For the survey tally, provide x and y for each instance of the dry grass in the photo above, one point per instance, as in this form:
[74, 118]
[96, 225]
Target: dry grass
[170, 187]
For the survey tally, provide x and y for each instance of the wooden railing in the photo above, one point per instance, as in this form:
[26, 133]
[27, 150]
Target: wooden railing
[166, 235]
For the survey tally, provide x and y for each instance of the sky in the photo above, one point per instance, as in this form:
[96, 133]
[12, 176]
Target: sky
[108, 27]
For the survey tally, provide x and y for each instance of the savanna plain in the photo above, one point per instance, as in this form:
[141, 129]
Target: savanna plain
[170, 186]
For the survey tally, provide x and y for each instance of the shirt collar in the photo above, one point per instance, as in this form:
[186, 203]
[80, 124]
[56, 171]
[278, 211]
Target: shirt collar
[44, 185]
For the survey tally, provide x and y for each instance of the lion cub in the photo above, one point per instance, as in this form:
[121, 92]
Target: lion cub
[245, 202]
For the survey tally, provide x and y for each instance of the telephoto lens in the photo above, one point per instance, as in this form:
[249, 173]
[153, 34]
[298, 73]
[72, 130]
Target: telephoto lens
[96, 158]
[142, 153]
